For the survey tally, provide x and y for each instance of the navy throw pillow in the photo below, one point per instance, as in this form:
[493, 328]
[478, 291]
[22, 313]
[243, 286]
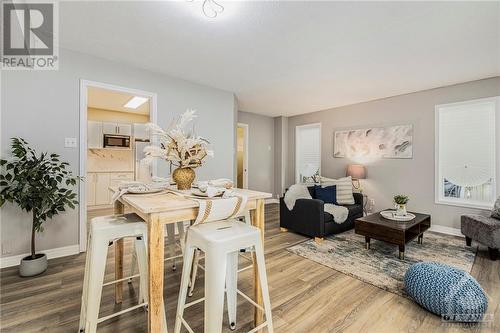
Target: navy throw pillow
[327, 194]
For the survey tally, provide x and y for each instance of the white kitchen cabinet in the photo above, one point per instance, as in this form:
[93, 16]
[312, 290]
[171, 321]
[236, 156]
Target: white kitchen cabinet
[90, 183]
[124, 129]
[109, 128]
[94, 135]
[140, 131]
[102, 189]
[117, 129]
[98, 183]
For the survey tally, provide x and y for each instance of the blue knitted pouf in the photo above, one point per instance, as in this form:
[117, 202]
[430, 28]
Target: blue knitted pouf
[446, 291]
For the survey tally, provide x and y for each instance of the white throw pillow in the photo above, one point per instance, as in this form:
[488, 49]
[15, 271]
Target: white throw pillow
[344, 189]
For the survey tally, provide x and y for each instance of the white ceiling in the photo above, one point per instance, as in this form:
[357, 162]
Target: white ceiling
[105, 99]
[286, 58]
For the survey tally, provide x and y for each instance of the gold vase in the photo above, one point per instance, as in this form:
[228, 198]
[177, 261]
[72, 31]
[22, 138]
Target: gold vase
[183, 177]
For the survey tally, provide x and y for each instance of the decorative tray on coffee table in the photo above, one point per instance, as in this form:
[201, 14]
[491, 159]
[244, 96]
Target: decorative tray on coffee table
[391, 215]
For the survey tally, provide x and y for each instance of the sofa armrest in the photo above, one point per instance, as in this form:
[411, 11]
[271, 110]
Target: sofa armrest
[358, 198]
[306, 217]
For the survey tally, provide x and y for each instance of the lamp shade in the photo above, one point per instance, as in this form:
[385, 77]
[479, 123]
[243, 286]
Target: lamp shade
[356, 171]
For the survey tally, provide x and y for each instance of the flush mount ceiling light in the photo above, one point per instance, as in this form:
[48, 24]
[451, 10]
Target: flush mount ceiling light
[135, 102]
[211, 8]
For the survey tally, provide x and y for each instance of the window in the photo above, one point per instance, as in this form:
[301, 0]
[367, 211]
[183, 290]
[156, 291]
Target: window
[465, 153]
[307, 152]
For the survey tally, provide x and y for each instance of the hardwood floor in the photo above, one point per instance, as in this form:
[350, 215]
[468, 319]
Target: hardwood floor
[306, 297]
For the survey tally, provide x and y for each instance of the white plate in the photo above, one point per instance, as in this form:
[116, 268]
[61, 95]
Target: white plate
[199, 193]
[390, 215]
[144, 190]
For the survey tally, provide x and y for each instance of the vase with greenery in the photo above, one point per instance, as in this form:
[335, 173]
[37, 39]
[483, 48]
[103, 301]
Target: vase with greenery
[179, 145]
[39, 184]
[400, 202]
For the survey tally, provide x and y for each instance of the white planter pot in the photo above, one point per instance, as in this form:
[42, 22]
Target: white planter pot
[32, 267]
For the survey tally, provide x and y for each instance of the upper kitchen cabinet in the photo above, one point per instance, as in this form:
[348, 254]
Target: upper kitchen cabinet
[140, 131]
[94, 135]
[116, 129]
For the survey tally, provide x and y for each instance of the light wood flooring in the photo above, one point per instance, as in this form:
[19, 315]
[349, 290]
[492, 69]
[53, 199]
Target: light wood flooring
[306, 297]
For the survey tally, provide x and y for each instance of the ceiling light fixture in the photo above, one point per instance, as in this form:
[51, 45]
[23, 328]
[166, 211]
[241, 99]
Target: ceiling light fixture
[210, 8]
[135, 102]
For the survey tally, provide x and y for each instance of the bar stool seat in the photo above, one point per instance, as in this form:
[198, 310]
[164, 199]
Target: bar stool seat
[103, 231]
[222, 241]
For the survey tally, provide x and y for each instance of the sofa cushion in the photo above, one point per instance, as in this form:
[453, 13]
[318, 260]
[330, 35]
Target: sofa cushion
[354, 210]
[327, 217]
[495, 213]
[327, 194]
[344, 189]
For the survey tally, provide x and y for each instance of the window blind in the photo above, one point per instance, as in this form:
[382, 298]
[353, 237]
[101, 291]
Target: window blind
[308, 151]
[466, 159]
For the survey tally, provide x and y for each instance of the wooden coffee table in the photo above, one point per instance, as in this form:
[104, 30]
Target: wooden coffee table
[399, 233]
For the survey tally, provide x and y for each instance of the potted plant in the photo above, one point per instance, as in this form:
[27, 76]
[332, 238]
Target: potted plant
[181, 147]
[38, 184]
[400, 202]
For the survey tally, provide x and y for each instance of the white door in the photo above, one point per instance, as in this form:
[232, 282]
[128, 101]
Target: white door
[102, 195]
[94, 135]
[109, 128]
[124, 129]
[307, 152]
[90, 183]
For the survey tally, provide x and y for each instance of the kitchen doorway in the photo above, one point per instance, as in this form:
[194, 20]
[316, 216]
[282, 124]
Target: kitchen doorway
[242, 155]
[113, 135]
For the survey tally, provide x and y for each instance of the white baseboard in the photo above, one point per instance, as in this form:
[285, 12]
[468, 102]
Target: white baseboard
[446, 230]
[271, 201]
[51, 253]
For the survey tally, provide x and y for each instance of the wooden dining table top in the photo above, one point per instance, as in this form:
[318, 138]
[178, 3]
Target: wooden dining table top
[169, 201]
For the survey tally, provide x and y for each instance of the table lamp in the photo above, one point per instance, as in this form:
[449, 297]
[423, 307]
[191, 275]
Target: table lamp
[357, 172]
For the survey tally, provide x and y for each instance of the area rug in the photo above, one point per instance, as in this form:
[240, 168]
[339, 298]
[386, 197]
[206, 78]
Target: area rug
[380, 265]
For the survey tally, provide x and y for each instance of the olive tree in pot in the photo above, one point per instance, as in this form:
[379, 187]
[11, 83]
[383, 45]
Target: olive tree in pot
[38, 184]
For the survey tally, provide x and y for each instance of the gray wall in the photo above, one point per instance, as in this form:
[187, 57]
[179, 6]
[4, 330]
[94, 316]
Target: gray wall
[387, 177]
[260, 151]
[43, 107]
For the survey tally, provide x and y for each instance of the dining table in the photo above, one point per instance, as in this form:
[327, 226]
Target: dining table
[166, 207]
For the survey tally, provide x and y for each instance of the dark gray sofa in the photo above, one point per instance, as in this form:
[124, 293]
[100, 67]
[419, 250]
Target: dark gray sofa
[309, 218]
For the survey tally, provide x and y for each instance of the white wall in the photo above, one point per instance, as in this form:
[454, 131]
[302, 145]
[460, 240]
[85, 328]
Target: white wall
[43, 108]
[387, 177]
[260, 151]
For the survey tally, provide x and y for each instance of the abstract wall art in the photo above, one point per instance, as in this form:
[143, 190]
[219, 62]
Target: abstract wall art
[381, 142]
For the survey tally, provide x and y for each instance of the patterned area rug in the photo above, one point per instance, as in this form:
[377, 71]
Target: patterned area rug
[380, 264]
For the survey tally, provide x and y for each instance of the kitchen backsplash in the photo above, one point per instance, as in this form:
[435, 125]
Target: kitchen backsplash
[110, 160]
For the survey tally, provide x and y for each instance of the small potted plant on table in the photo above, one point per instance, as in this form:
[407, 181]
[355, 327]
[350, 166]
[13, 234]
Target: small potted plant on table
[400, 202]
[38, 184]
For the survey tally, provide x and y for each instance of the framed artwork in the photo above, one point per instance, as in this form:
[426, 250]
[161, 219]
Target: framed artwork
[382, 142]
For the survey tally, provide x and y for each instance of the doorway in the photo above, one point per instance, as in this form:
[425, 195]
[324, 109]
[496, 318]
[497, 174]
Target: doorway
[112, 139]
[242, 156]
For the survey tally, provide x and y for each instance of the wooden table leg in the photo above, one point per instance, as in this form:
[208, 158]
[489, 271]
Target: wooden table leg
[156, 311]
[367, 242]
[401, 252]
[258, 221]
[119, 209]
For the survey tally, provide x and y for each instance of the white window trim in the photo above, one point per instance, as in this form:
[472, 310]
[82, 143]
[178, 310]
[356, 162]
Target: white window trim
[438, 199]
[297, 180]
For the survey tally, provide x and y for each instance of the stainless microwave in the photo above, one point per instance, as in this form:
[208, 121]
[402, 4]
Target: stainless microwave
[116, 141]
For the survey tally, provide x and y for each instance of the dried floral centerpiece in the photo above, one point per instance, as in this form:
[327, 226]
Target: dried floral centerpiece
[179, 145]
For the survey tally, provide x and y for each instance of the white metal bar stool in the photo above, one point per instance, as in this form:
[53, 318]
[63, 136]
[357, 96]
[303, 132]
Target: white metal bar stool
[103, 230]
[221, 241]
[245, 216]
[171, 243]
